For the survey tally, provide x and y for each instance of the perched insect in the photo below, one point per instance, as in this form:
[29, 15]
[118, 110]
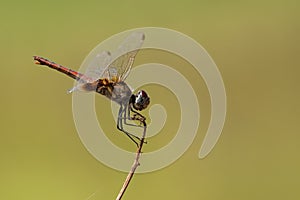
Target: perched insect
[106, 75]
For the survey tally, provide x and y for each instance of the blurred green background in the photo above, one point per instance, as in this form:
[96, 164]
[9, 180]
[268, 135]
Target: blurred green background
[255, 45]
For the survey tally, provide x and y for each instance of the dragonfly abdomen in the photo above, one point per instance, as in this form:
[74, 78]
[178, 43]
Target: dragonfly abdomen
[69, 72]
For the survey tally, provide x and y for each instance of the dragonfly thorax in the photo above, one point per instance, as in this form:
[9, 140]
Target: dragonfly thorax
[118, 92]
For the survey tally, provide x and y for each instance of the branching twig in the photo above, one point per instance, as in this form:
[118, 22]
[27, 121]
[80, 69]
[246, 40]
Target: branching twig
[135, 163]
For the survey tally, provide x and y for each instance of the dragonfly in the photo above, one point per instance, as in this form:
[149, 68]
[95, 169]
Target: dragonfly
[106, 74]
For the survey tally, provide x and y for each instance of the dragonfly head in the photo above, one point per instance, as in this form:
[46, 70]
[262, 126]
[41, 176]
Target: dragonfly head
[141, 100]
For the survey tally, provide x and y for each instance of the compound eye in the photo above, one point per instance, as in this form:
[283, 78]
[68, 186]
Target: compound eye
[141, 100]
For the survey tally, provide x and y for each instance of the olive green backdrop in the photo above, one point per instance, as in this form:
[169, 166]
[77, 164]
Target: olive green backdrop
[255, 45]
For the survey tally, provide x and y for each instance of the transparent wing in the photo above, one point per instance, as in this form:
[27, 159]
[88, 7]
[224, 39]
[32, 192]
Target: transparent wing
[94, 70]
[98, 65]
[115, 67]
[123, 57]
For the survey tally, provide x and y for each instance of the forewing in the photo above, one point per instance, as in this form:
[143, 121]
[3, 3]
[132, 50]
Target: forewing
[124, 56]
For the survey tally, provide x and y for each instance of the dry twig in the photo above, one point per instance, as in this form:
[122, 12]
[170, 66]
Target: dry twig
[135, 163]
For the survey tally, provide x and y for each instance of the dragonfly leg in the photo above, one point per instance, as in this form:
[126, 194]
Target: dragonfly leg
[137, 116]
[127, 116]
[120, 126]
